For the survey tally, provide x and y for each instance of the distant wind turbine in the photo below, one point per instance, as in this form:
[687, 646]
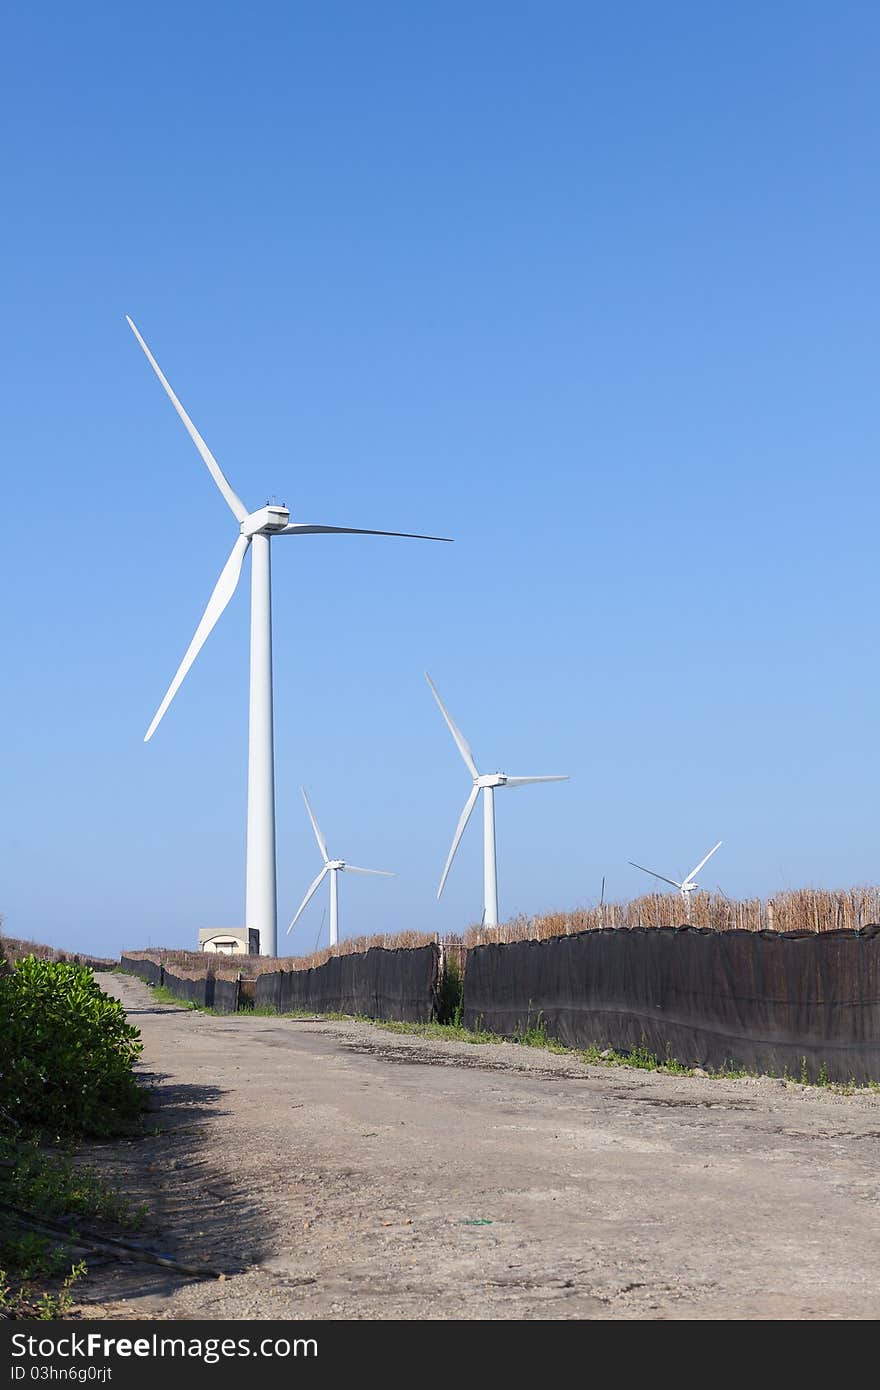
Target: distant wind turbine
[689, 884]
[255, 530]
[331, 867]
[485, 783]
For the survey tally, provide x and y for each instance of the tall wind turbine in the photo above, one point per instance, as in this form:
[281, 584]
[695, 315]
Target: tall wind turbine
[333, 867]
[688, 885]
[485, 783]
[255, 531]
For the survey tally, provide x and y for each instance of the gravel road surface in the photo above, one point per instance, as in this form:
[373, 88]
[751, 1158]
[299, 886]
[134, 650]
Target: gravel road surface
[340, 1170]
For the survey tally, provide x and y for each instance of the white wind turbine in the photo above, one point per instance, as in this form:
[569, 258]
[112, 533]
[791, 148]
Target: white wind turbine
[333, 867]
[689, 884]
[485, 783]
[255, 531]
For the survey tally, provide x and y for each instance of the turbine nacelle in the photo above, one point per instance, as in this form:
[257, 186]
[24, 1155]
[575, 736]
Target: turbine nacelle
[687, 885]
[266, 521]
[491, 779]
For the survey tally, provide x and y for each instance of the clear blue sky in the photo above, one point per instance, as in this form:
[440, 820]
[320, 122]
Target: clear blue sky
[591, 288]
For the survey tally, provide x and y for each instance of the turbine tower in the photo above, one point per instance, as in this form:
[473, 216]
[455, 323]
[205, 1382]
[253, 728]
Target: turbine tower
[485, 783]
[256, 529]
[333, 867]
[688, 885]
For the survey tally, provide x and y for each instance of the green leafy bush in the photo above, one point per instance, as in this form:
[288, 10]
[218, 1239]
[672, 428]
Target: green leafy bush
[66, 1051]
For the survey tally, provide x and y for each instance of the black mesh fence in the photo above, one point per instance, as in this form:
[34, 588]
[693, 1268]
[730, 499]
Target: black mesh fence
[205, 991]
[780, 1003]
[377, 983]
[190, 990]
[148, 970]
[267, 990]
[225, 997]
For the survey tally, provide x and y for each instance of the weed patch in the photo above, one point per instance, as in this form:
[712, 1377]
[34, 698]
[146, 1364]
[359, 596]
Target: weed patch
[66, 1052]
[37, 1185]
[535, 1035]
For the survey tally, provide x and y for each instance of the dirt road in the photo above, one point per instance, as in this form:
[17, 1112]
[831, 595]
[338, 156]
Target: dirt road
[343, 1171]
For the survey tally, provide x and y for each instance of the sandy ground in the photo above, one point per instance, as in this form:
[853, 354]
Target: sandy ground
[339, 1170]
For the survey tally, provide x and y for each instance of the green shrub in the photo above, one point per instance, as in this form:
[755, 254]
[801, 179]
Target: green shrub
[66, 1051]
[450, 998]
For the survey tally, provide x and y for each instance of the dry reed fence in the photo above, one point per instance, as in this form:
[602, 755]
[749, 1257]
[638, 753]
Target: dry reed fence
[220, 964]
[802, 910]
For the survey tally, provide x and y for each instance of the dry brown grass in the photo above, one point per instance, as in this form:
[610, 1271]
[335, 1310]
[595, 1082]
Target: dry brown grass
[13, 948]
[251, 966]
[804, 910]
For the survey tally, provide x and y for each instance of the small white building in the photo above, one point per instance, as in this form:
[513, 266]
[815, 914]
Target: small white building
[230, 941]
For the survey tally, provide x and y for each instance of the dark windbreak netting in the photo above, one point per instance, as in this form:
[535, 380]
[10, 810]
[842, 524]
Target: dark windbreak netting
[148, 970]
[378, 983]
[761, 1001]
[190, 989]
[267, 990]
[207, 991]
[225, 995]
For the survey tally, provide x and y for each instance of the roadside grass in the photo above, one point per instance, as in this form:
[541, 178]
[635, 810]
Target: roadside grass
[39, 1186]
[439, 1032]
[45, 1306]
[638, 1058]
[164, 996]
[535, 1035]
[52, 1184]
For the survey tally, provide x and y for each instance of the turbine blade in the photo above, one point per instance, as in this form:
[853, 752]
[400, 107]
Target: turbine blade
[306, 899]
[233, 501]
[353, 869]
[459, 737]
[693, 873]
[459, 831]
[302, 529]
[322, 843]
[223, 591]
[662, 877]
[524, 781]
